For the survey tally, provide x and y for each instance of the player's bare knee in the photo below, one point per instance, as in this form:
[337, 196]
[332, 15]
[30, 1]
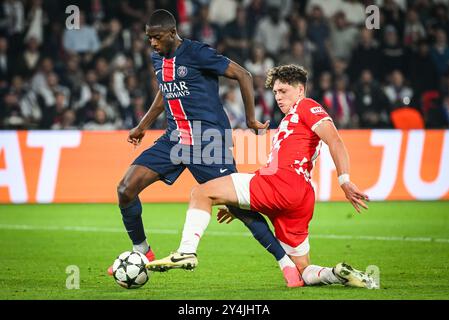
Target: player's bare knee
[125, 193]
[198, 191]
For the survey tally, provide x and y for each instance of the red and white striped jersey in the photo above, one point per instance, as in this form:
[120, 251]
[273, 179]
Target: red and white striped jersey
[296, 146]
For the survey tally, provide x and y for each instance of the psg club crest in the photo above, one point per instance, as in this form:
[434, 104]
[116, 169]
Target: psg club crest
[182, 71]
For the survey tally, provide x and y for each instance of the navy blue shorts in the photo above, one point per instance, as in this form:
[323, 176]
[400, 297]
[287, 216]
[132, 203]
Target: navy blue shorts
[169, 159]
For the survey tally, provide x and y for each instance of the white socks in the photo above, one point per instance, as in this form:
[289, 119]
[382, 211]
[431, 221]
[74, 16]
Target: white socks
[196, 223]
[314, 275]
[286, 262]
[141, 247]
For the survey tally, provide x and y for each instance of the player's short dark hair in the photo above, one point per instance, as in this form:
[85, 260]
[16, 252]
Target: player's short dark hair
[290, 73]
[162, 18]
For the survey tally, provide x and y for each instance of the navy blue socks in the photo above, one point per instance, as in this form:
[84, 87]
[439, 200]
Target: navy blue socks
[258, 226]
[132, 219]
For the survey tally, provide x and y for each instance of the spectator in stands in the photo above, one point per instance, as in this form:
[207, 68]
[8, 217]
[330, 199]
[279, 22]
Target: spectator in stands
[424, 9]
[67, 121]
[300, 56]
[414, 30]
[28, 101]
[12, 23]
[73, 76]
[84, 41]
[339, 68]
[47, 94]
[53, 114]
[259, 63]
[6, 62]
[264, 103]
[255, 11]
[423, 72]
[329, 8]
[205, 31]
[88, 87]
[397, 92]
[324, 85]
[124, 82]
[100, 121]
[135, 112]
[342, 37]
[318, 32]
[39, 79]
[355, 12]
[36, 19]
[440, 19]
[132, 85]
[340, 103]
[440, 52]
[393, 54]
[103, 71]
[131, 11]
[272, 32]
[237, 36]
[298, 29]
[138, 55]
[27, 62]
[222, 12]
[11, 116]
[53, 42]
[370, 102]
[394, 16]
[366, 55]
[112, 40]
[86, 112]
[233, 109]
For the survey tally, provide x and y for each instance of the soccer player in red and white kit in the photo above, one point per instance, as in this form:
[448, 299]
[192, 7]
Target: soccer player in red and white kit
[282, 189]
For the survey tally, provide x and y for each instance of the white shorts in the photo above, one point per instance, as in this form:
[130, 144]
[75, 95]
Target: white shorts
[241, 187]
[300, 250]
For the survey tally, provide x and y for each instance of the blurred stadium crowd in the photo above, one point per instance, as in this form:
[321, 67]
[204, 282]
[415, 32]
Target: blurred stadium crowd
[100, 77]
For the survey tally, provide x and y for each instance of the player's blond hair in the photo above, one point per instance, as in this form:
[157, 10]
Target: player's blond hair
[290, 73]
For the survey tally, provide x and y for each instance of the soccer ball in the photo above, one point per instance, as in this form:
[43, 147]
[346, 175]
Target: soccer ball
[129, 270]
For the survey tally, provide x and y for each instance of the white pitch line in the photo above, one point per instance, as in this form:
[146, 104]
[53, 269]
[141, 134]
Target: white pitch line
[214, 233]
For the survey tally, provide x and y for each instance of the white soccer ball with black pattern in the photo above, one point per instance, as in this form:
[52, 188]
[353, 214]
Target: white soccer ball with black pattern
[129, 270]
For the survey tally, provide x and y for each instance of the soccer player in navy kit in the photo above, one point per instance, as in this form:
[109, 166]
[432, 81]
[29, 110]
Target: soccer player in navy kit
[198, 133]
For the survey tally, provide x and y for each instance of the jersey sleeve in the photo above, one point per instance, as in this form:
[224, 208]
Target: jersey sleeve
[313, 114]
[208, 59]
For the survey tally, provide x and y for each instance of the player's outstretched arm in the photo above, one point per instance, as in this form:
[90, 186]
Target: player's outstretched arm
[329, 134]
[243, 76]
[136, 134]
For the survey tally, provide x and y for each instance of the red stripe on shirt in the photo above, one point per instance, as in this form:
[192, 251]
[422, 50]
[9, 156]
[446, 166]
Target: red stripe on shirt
[184, 127]
[168, 69]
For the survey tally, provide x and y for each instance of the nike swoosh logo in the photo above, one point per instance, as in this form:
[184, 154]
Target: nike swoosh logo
[223, 170]
[177, 260]
[158, 72]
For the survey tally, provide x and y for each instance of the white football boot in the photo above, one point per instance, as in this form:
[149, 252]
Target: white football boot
[187, 261]
[354, 278]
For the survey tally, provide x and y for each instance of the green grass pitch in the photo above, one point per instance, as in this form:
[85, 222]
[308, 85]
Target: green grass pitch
[407, 241]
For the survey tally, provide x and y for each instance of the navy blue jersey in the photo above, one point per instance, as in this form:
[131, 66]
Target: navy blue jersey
[189, 84]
